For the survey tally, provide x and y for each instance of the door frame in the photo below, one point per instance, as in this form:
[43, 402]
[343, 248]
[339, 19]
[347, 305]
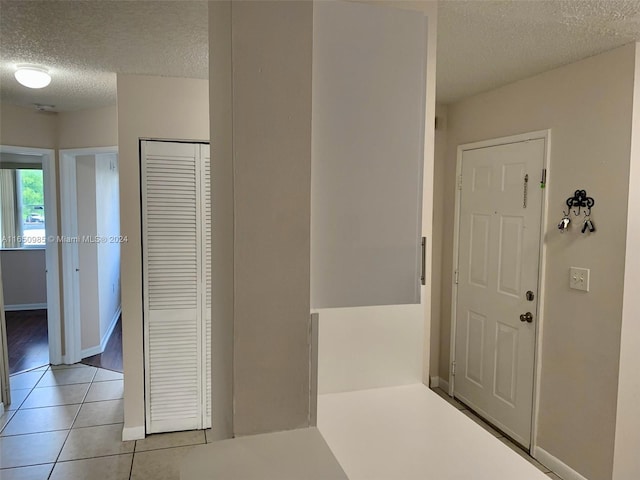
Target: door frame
[70, 257]
[537, 361]
[52, 258]
[5, 391]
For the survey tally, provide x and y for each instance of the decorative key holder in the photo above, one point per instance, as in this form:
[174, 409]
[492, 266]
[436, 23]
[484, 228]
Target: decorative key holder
[579, 203]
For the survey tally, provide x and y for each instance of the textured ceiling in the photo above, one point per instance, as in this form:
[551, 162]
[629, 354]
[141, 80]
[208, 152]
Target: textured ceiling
[85, 43]
[482, 44]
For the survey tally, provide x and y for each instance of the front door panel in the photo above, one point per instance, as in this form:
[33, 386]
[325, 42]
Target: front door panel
[499, 232]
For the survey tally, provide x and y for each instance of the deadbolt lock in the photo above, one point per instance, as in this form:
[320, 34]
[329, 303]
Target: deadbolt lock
[526, 317]
[530, 296]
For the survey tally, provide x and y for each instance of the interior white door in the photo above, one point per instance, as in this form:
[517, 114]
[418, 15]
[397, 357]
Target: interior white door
[177, 304]
[498, 256]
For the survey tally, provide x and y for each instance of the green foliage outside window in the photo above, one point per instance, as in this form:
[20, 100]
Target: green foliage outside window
[32, 194]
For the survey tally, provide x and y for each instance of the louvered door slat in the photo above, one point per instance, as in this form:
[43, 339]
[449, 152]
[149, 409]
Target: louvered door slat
[172, 241]
[206, 188]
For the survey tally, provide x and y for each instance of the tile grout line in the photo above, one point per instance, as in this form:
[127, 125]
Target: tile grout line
[71, 426]
[133, 457]
[31, 389]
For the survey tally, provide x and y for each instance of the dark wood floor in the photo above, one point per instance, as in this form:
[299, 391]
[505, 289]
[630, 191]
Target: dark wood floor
[111, 358]
[27, 339]
[28, 343]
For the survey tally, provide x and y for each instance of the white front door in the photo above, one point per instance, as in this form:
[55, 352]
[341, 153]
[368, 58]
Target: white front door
[496, 308]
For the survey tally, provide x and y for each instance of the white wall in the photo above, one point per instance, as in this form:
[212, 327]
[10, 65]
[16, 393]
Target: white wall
[88, 253]
[148, 107]
[99, 258]
[627, 442]
[370, 347]
[24, 279]
[108, 252]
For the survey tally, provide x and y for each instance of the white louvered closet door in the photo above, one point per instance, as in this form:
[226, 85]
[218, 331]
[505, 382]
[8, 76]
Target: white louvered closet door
[206, 242]
[176, 239]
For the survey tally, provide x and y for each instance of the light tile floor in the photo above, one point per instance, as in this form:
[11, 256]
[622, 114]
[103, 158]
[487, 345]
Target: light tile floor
[496, 433]
[65, 423]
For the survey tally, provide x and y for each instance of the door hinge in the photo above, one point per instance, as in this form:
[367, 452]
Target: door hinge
[453, 369]
[460, 182]
[455, 277]
[543, 179]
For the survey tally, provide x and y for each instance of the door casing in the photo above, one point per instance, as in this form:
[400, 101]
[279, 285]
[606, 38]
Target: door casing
[51, 256]
[546, 136]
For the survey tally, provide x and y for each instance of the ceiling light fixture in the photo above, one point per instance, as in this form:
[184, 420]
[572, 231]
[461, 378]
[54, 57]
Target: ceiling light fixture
[32, 77]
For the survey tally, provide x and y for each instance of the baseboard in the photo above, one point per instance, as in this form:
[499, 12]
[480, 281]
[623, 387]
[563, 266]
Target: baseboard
[25, 306]
[112, 325]
[98, 349]
[436, 382]
[90, 352]
[557, 466]
[133, 433]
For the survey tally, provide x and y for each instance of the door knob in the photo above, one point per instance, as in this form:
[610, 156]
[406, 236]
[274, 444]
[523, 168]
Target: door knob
[526, 317]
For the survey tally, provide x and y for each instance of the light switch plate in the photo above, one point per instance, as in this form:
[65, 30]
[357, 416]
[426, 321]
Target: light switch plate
[579, 278]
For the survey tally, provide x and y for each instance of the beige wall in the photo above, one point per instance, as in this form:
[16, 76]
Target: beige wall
[222, 217]
[150, 107]
[23, 276]
[626, 458]
[96, 127]
[587, 106]
[24, 127]
[440, 159]
[271, 51]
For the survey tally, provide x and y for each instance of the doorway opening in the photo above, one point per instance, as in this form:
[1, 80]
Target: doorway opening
[498, 267]
[29, 256]
[91, 240]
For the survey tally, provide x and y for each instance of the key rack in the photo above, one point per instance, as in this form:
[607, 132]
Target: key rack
[580, 200]
[579, 203]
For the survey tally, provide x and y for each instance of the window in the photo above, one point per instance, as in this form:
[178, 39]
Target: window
[22, 210]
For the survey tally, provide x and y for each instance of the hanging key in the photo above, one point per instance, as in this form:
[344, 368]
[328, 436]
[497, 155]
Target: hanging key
[588, 225]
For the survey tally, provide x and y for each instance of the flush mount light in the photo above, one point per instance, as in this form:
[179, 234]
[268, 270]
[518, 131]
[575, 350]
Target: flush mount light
[32, 77]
